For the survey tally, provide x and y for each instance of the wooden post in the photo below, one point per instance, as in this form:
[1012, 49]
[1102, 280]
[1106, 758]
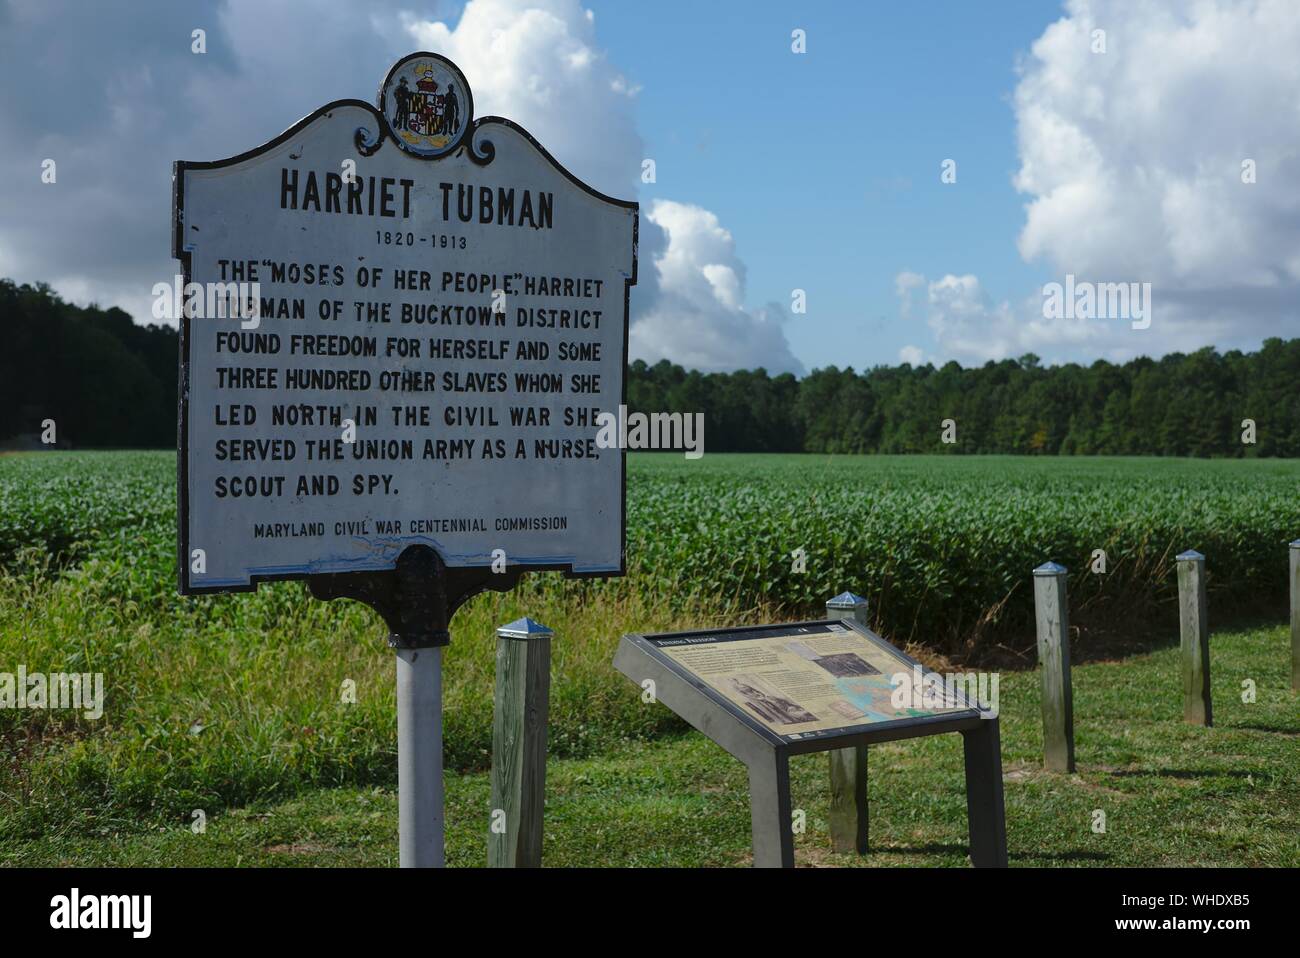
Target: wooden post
[1194, 630]
[848, 812]
[519, 745]
[1051, 610]
[1295, 615]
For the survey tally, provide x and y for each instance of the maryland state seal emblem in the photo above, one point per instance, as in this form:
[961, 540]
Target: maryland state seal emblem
[427, 102]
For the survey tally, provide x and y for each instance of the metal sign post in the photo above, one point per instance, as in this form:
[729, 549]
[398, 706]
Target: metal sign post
[419, 758]
[417, 601]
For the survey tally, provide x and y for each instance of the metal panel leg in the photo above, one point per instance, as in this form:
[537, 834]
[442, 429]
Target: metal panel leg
[769, 811]
[984, 807]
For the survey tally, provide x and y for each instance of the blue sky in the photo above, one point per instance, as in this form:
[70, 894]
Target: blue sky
[825, 166]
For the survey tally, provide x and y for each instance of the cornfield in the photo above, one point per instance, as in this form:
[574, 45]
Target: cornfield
[941, 546]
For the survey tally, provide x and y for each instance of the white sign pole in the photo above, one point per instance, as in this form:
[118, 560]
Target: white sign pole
[419, 758]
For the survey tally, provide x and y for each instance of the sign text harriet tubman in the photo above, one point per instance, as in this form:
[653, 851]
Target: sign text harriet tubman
[400, 327]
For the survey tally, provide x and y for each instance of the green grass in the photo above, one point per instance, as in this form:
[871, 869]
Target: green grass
[222, 703]
[233, 704]
[1173, 794]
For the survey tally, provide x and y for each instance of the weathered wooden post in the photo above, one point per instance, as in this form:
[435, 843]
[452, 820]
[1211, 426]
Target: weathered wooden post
[1051, 612]
[519, 744]
[1194, 631]
[848, 813]
[1295, 615]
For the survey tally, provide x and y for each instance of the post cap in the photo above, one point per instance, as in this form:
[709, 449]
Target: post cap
[1191, 555]
[1050, 568]
[524, 628]
[846, 600]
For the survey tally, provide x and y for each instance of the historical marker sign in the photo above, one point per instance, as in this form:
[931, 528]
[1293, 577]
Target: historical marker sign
[441, 314]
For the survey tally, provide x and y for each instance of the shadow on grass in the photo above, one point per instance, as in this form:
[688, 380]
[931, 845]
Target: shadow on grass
[1186, 773]
[933, 848]
[964, 850]
[1102, 635]
[1275, 729]
[1074, 856]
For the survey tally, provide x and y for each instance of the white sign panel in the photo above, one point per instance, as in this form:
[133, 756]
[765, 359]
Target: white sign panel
[441, 316]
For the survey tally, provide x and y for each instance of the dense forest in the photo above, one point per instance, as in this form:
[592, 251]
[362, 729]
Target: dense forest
[103, 379]
[1180, 405]
[109, 382]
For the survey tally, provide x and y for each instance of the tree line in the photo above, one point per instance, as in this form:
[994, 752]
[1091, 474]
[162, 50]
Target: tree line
[103, 379]
[108, 382]
[1204, 404]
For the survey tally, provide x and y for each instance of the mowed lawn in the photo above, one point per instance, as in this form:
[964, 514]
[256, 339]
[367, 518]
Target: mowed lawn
[1172, 794]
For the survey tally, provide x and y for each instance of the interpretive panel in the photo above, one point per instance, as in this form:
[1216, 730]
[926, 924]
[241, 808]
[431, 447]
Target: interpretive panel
[811, 680]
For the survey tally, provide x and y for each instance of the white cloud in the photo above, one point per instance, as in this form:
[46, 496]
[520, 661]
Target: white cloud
[699, 320]
[912, 355]
[972, 327]
[1132, 160]
[101, 231]
[904, 283]
[537, 62]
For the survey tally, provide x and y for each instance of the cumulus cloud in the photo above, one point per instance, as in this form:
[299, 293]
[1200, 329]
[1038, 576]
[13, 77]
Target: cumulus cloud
[541, 66]
[972, 327]
[699, 319]
[1132, 164]
[101, 232]
[1132, 160]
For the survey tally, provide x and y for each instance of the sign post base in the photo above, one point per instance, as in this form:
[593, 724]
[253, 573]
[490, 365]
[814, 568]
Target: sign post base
[417, 600]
